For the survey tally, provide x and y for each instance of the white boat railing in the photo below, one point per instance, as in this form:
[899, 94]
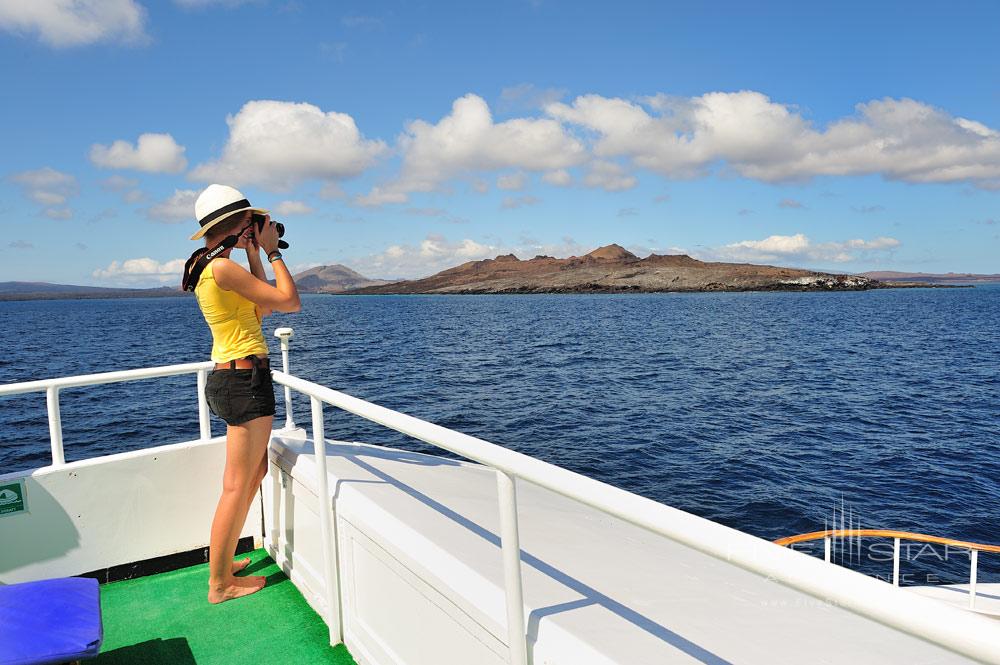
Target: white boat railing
[51, 388]
[938, 623]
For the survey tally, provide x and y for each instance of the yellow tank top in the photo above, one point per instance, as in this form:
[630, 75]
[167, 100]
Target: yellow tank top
[234, 320]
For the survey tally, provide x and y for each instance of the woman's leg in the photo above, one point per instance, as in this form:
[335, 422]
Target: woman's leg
[246, 446]
[251, 495]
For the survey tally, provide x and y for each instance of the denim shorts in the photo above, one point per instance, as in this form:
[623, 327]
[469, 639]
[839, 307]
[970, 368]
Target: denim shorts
[233, 396]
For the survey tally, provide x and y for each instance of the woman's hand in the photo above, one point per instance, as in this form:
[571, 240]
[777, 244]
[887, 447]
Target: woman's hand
[268, 237]
[248, 241]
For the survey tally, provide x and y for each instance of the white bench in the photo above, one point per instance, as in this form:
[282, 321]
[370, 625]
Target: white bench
[421, 578]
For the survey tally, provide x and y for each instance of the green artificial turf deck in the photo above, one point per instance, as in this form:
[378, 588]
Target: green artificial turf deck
[166, 618]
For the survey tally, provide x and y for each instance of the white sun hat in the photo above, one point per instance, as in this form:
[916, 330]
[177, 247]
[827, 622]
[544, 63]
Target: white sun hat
[217, 203]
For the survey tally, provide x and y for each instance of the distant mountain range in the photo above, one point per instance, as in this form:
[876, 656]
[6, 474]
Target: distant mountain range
[48, 291]
[332, 279]
[323, 279]
[613, 269]
[931, 278]
[608, 269]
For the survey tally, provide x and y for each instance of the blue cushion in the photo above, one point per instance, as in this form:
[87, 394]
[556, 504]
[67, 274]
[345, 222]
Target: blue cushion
[50, 621]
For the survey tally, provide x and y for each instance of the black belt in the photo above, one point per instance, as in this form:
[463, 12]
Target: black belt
[255, 363]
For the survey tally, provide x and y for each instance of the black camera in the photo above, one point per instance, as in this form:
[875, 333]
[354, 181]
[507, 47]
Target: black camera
[259, 220]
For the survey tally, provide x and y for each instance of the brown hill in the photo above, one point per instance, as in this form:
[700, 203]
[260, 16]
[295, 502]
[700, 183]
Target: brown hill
[332, 279]
[614, 269]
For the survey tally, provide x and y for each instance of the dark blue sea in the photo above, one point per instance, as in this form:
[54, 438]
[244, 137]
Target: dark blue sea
[763, 411]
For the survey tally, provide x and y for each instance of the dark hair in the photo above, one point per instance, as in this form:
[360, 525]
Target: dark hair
[229, 225]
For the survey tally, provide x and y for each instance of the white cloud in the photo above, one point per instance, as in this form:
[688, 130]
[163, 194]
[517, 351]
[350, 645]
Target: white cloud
[791, 204]
[512, 181]
[798, 249]
[559, 178]
[66, 23]
[609, 176]
[433, 254]
[336, 50]
[279, 144]
[361, 21]
[176, 208]
[527, 96]
[199, 4]
[467, 141]
[437, 213]
[141, 271]
[118, 183]
[153, 153]
[48, 198]
[746, 132]
[868, 210]
[50, 188]
[512, 202]
[292, 208]
[436, 253]
[426, 212]
[46, 185]
[58, 213]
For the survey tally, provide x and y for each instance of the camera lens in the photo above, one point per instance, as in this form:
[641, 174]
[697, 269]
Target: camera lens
[280, 228]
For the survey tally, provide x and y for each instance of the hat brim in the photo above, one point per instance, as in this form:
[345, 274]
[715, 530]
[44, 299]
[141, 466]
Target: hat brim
[205, 229]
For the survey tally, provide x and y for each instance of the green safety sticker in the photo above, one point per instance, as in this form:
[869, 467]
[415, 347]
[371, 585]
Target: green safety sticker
[12, 499]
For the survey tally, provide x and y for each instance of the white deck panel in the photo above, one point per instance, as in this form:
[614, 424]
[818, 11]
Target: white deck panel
[597, 589]
[987, 596]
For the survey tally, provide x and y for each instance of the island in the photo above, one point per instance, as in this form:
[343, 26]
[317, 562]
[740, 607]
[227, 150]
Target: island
[614, 269]
[608, 269]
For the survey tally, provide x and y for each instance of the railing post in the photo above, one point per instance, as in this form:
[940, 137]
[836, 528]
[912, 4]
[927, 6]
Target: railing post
[974, 557]
[285, 334]
[895, 562]
[204, 424]
[510, 546]
[55, 425]
[826, 549]
[326, 531]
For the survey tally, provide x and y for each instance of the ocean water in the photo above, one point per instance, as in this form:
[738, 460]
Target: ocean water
[763, 411]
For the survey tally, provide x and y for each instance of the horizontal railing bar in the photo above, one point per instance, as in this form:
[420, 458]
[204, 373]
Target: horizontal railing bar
[104, 377]
[931, 620]
[886, 533]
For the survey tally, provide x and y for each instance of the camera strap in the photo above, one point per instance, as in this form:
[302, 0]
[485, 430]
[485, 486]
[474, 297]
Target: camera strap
[201, 257]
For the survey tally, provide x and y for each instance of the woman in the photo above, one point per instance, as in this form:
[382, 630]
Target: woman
[239, 389]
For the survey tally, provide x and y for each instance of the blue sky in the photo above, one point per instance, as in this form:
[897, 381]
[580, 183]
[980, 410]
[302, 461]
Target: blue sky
[403, 138]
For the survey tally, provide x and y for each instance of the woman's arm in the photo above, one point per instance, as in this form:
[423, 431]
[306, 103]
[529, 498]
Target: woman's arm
[256, 265]
[257, 269]
[283, 297]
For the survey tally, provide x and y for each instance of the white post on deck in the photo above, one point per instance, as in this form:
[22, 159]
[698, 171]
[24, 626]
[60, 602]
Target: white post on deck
[510, 546]
[895, 562]
[974, 564]
[204, 424]
[326, 531]
[55, 426]
[826, 549]
[285, 334]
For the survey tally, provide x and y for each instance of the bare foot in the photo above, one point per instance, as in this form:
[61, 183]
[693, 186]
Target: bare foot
[243, 586]
[251, 580]
[240, 565]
